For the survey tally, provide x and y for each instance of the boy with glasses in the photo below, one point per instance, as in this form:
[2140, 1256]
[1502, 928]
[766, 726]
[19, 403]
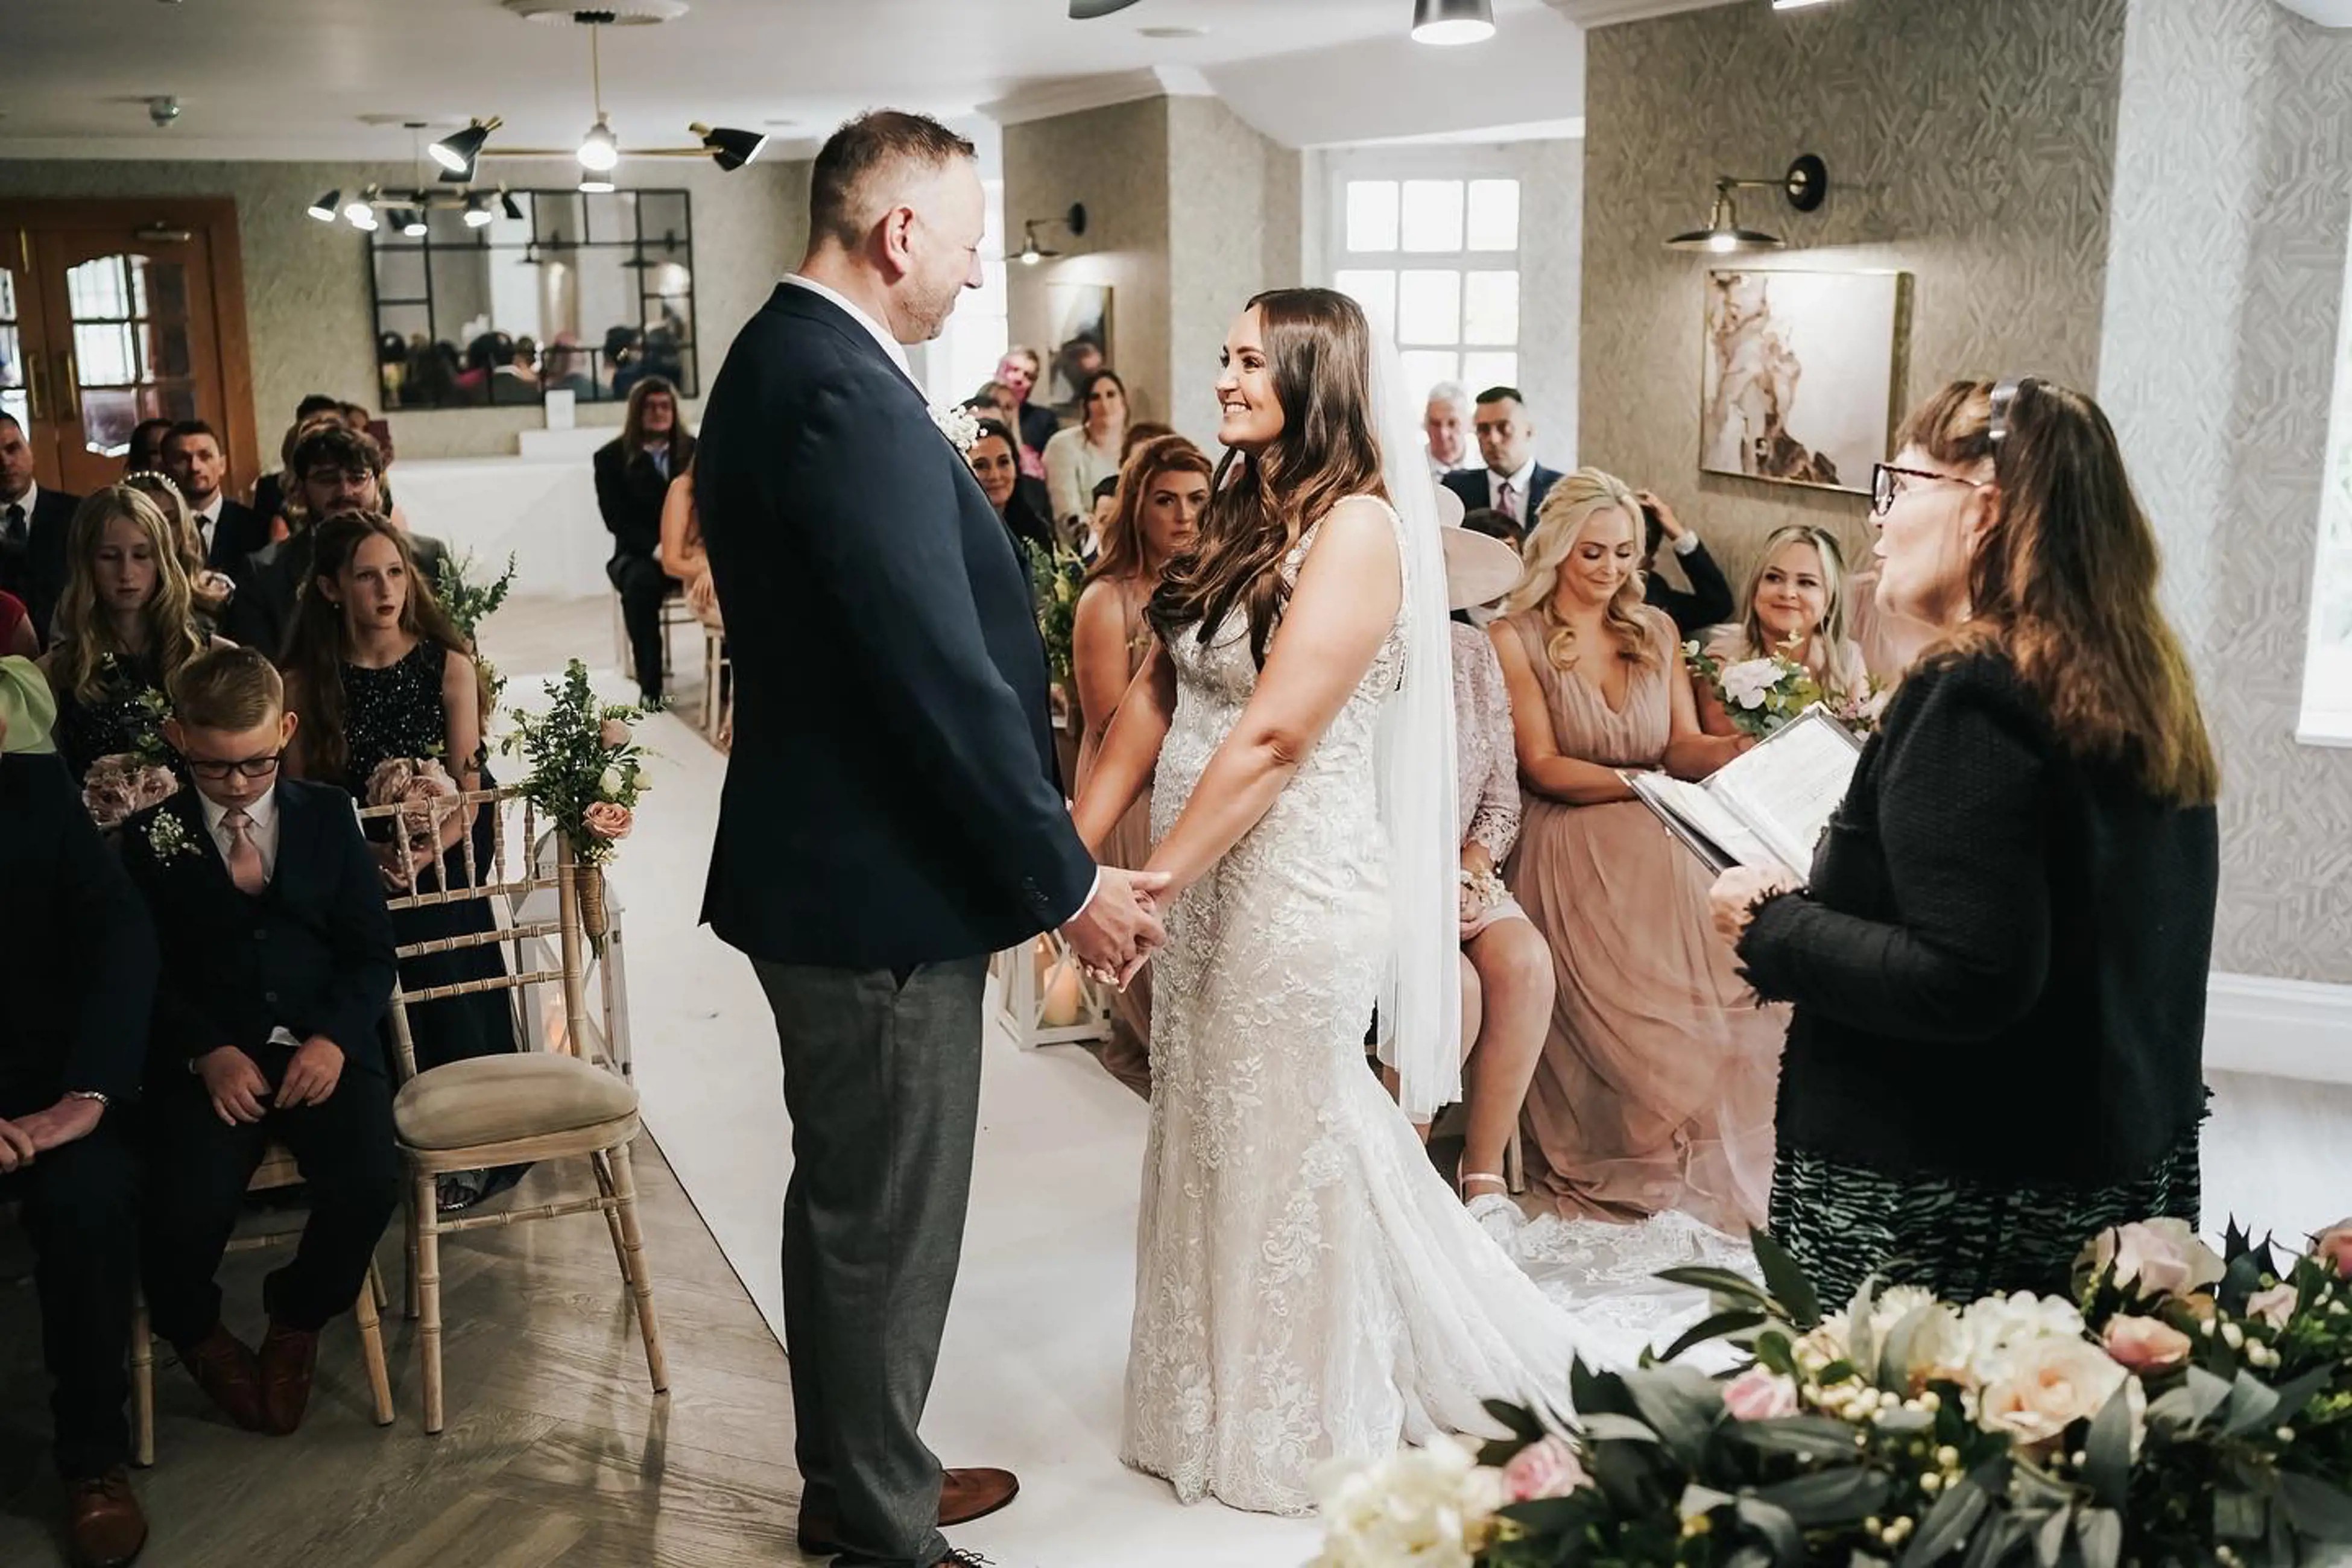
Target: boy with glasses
[277, 962]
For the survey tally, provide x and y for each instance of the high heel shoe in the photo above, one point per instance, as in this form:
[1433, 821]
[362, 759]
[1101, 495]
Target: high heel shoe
[1495, 1211]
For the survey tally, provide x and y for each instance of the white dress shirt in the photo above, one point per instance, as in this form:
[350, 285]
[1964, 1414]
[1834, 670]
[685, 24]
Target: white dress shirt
[262, 818]
[897, 352]
[207, 519]
[31, 495]
[1519, 483]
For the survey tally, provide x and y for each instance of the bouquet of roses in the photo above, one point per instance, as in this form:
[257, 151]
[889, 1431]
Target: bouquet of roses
[123, 785]
[413, 784]
[2183, 1406]
[1762, 694]
[1056, 577]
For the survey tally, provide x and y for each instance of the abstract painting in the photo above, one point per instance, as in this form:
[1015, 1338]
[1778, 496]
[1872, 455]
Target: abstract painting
[1799, 383]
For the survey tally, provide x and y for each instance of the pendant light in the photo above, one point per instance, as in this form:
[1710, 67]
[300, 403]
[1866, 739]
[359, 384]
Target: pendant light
[1447, 23]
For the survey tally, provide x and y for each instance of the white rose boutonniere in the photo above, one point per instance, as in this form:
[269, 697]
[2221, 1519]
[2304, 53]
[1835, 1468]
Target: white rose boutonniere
[959, 424]
[167, 835]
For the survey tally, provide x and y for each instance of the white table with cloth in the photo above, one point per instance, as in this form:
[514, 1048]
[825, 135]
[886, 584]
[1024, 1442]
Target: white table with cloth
[541, 505]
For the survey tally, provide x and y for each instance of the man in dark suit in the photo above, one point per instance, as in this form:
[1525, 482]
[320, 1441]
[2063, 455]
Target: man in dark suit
[193, 460]
[335, 470]
[33, 524]
[1512, 482]
[1708, 602]
[277, 962]
[633, 474]
[81, 978]
[891, 813]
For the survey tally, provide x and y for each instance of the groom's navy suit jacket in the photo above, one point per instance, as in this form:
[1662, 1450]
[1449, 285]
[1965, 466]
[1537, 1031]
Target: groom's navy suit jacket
[892, 797]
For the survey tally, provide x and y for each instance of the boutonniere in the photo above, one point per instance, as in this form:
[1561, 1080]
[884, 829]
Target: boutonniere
[167, 835]
[959, 424]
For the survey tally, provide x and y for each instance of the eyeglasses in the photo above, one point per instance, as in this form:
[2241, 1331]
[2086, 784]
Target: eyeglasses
[251, 767]
[1887, 483]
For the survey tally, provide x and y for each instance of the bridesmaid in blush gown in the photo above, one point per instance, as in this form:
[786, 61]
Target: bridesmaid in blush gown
[1160, 496]
[1655, 1094]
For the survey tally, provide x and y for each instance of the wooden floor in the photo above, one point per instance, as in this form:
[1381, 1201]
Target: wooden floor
[556, 1450]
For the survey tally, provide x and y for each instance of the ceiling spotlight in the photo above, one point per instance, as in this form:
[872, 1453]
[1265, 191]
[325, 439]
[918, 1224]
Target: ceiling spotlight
[359, 210]
[411, 221]
[365, 222]
[477, 215]
[596, 185]
[507, 205]
[1806, 185]
[598, 151]
[329, 207]
[729, 148]
[458, 152]
[1449, 22]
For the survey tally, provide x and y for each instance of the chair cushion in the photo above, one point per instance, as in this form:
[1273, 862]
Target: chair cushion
[500, 1099]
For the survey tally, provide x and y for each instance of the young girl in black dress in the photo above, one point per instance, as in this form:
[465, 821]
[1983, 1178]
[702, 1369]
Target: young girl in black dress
[376, 671]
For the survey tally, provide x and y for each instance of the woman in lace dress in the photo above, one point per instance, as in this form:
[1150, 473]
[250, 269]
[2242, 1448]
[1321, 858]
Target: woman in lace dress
[1161, 494]
[1654, 1092]
[1308, 1287]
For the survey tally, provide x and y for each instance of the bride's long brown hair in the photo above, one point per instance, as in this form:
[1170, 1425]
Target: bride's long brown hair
[1321, 350]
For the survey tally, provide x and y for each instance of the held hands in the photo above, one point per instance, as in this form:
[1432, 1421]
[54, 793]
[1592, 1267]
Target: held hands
[43, 1130]
[1115, 934]
[235, 1084]
[1736, 894]
[311, 1077]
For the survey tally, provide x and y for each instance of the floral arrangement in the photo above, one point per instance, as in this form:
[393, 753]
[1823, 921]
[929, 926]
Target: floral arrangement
[1056, 578]
[123, 785]
[587, 772]
[2184, 1406]
[1762, 694]
[168, 836]
[469, 604]
[960, 425]
[413, 784]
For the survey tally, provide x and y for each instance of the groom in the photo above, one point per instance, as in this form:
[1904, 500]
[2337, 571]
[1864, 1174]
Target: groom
[891, 814]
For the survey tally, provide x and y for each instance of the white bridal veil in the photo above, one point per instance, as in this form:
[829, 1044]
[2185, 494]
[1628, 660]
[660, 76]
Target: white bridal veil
[1420, 1033]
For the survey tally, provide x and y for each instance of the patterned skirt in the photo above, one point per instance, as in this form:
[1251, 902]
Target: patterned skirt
[1962, 1238]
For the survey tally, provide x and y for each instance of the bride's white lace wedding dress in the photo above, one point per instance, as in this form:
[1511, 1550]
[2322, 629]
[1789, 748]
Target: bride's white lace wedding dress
[1308, 1287]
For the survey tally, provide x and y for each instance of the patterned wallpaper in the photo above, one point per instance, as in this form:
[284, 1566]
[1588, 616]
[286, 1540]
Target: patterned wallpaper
[1970, 143]
[2226, 276]
[1233, 232]
[305, 284]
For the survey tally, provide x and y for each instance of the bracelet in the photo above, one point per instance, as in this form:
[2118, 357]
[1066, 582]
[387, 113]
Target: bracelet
[88, 1094]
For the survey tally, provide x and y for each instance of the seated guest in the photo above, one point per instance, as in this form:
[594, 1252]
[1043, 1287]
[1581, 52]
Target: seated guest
[360, 420]
[209, 591]
[1708, 602]
[997, 401]
[682, 553]
[277, 963]
[1511, 482]
[2021, 882]
[997, 470]
[1082, 456]
[565, 366]
[633, 475]
[268, 497]
[1506, 969]
[1106, 508]
[33, 524]
[376, 673]
[73, 1040]
[192, 458]
[1493, 524]
[1140, 432]
[1160, 497]
[1654, 1091]
[1018, 370]
[335, 470]
[1797, 599]
[125, 626]
[17, 638]
[145, 452]
[1446, 425]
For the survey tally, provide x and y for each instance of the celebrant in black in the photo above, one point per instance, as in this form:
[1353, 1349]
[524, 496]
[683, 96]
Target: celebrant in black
[1999, 966]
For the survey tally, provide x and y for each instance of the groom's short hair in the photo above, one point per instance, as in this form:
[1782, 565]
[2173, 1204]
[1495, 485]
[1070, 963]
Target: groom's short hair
[858, 173]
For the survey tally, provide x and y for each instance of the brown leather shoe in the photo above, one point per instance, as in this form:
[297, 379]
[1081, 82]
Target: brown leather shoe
[964, 1496]
[104, 1520]
[288, 1357]
[225, 1367]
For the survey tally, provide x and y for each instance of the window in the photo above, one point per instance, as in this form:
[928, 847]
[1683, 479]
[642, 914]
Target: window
[12, 401]
[1435, 257]
[2327, 666]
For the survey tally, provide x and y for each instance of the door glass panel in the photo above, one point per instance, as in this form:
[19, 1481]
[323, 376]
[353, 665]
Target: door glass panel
[129, 334]
[12, 353]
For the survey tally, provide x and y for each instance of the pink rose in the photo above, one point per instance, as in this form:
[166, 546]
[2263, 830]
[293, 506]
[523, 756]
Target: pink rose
[2144, 1344]
[2333, 1246]
[2274, 1306]
[1547, 1468]
[390, 777]
[1759, 1394]
[614, 732]
[2158, 1257]
[413, 784]
[120, 785]
[609, 822]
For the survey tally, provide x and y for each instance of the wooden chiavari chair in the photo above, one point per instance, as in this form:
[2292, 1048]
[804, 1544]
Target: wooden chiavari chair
[530, 1107]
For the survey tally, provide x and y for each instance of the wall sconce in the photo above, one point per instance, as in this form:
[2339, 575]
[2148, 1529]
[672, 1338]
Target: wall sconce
[1806, 184]
[1031, 252]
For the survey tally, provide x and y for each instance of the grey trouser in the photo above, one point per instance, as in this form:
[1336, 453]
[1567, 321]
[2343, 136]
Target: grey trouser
[882, 1079]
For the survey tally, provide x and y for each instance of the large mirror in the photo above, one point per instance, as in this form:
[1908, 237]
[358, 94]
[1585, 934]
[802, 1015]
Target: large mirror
[587, 294]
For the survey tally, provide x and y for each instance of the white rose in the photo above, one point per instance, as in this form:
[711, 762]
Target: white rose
[2047, 1385]
[608, 783]
[1430, 1507]
[2160, 1256]
[1998, 1326]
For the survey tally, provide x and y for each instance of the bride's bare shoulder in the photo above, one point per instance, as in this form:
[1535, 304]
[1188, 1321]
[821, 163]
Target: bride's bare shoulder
[1365, 516]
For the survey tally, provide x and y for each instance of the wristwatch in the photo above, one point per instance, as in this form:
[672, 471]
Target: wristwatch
[88, 1094]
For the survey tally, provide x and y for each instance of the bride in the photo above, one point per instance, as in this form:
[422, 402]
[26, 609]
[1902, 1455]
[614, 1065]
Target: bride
[1306, 1285]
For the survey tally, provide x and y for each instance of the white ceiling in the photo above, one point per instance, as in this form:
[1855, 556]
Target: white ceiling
[289, 78]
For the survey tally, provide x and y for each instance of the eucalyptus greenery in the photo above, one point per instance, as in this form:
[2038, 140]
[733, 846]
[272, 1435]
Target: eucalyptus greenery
[1056, 577]
[581, 754]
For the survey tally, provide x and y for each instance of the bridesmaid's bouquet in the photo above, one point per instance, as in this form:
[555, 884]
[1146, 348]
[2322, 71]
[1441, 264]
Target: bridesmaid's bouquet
[417, 786]
[1762, 694]
[2182, 1406]
[122, 785]
[1056, 578]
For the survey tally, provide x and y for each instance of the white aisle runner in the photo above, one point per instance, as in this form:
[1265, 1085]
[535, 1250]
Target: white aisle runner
[1036, 1344]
